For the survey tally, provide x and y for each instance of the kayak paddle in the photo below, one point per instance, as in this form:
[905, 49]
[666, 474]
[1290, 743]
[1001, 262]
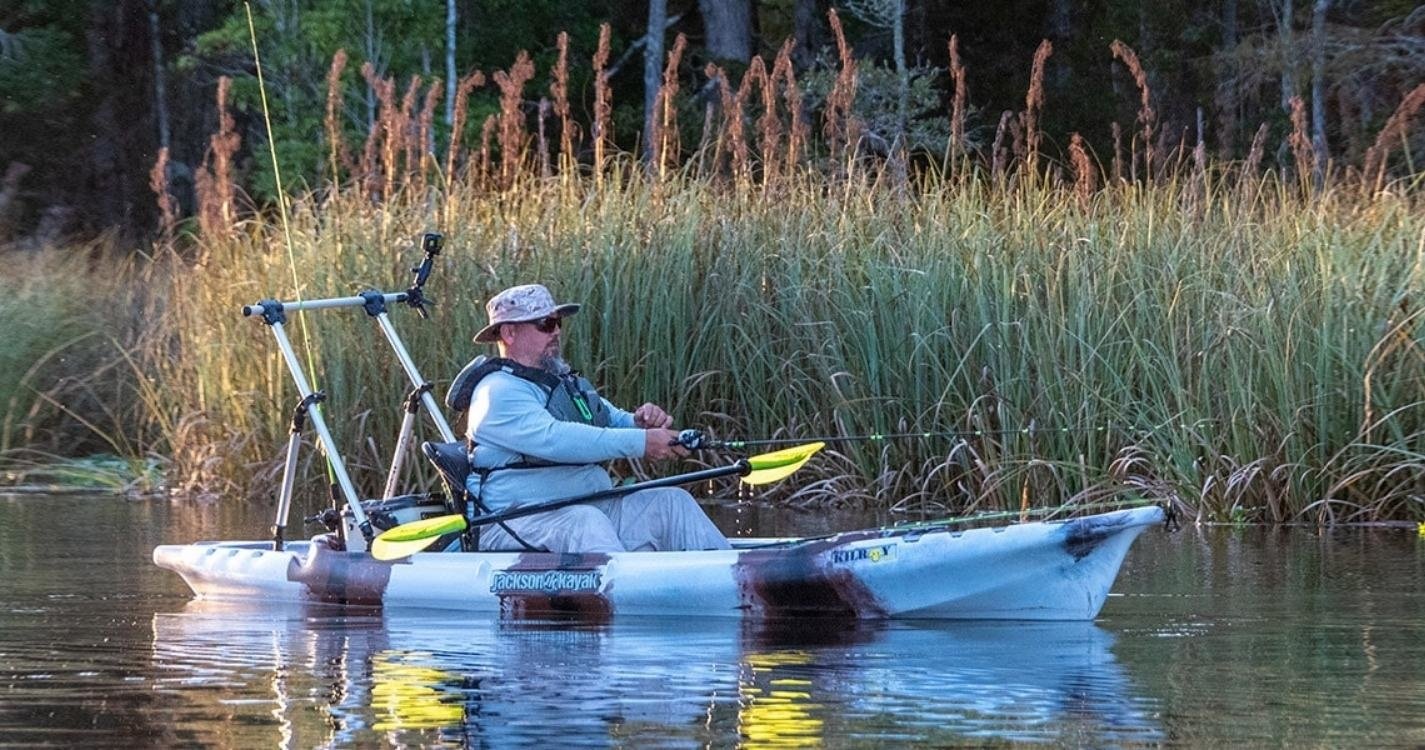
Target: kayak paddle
[410, 538]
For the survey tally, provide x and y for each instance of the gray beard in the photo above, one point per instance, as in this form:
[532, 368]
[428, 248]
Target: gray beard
[554, 365]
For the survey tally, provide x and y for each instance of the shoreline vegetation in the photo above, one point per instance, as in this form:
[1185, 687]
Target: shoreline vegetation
[1243, 342]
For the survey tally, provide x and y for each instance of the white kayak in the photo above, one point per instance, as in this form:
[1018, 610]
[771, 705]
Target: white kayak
[1049, 570]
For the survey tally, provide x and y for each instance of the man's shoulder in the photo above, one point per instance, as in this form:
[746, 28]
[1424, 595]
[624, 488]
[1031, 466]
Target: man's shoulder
[503, 379]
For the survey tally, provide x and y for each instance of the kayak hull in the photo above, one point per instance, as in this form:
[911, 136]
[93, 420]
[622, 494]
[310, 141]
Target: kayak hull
[1058, 570]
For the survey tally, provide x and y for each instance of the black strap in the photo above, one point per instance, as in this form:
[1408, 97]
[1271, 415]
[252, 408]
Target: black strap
[480, 503]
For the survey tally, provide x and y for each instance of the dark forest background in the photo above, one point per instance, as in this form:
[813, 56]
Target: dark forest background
[91, 91]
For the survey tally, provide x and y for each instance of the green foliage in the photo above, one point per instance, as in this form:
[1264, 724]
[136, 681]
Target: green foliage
[40, 69]
[928, 126]
[59, 326]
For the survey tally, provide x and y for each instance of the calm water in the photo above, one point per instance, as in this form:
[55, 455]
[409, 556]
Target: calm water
[1212, 637]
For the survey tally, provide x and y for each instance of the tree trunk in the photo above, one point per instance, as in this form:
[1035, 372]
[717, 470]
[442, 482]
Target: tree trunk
[1284, 24]
[369, 42]
[1060, 31]
[450, 75]
[807, 29]
[119, 153]
[902, 76]
[653, 69]
[727, 25]
[1318, 90]
[160, 95]
[1227, 96]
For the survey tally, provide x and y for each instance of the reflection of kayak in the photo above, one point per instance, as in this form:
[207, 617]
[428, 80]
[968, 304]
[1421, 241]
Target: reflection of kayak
[347, 678]
[1054, 570]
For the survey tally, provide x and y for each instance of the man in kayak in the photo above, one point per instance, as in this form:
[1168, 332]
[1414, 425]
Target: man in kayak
[539, 431]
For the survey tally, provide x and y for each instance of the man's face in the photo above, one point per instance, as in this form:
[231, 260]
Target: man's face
[532, 343]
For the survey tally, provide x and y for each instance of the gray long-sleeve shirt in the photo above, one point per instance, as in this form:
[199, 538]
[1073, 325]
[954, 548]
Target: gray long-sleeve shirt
[508, 423]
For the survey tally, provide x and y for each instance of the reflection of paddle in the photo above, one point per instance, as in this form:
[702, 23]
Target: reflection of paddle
[410, 538]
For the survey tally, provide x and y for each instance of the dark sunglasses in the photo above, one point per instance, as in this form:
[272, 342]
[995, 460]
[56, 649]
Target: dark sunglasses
[548, 325]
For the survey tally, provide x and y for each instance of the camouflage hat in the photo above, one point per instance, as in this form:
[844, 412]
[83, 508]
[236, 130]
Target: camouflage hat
[521, 304]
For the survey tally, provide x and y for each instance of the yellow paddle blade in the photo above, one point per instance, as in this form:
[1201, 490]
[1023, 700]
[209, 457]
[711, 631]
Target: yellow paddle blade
[778, 465]
[410, 538]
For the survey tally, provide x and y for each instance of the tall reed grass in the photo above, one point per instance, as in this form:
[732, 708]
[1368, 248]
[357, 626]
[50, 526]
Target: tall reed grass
[1243, 344]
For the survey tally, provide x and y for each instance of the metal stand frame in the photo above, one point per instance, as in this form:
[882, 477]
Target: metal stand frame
[274, 314]
[289, 471]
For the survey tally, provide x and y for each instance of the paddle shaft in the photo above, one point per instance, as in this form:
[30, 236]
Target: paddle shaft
[740, 467]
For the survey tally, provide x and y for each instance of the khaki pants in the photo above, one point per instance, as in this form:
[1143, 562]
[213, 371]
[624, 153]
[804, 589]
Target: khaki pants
[648, 520]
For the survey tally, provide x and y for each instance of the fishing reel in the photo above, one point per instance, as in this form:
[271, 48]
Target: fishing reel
[697, 440]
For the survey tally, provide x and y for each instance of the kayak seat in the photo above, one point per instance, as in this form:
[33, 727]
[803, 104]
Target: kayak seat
[452, 465]
[450, 460]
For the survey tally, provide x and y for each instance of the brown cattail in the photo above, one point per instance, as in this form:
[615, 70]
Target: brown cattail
[1117, 153]
[1254, 155]
[543, 150]
[462, 108]
[367, 167]
[486, 131]
[838, 127]
[797, 135]
[158, 182]
[408, 137]
[755, 76]
[427, 131]
[559, 89]
[1394, 130]
[665, 143]
[336, 145]
[378, 141]
[705, 137]
[1199, 161]
[769, 126]
[1085, 176]
[512, 130]
[997, 163]
[1033, 102]
[957, 112]
[603, 106]
[732, 125]
[1016, 137]
[1299, 139]
[781, 70]
[1145, 110]
[221, 148]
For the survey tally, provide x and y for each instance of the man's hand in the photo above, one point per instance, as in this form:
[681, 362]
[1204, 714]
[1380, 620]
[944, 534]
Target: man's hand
[650, 416]
[660, 443]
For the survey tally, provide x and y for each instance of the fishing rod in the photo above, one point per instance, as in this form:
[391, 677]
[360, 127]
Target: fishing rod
[696, 439]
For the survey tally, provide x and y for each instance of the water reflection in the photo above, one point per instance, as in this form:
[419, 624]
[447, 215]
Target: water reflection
[305, 677]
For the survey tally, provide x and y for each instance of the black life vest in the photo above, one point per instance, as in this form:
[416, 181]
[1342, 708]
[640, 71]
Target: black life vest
[571, 398]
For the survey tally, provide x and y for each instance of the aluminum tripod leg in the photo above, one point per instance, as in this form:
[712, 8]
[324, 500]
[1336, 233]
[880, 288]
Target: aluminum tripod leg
[289, 470]
[398, 461]
[338, 466]
[409, 366]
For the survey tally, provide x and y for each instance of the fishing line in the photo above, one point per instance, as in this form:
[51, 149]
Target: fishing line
[282, 207]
